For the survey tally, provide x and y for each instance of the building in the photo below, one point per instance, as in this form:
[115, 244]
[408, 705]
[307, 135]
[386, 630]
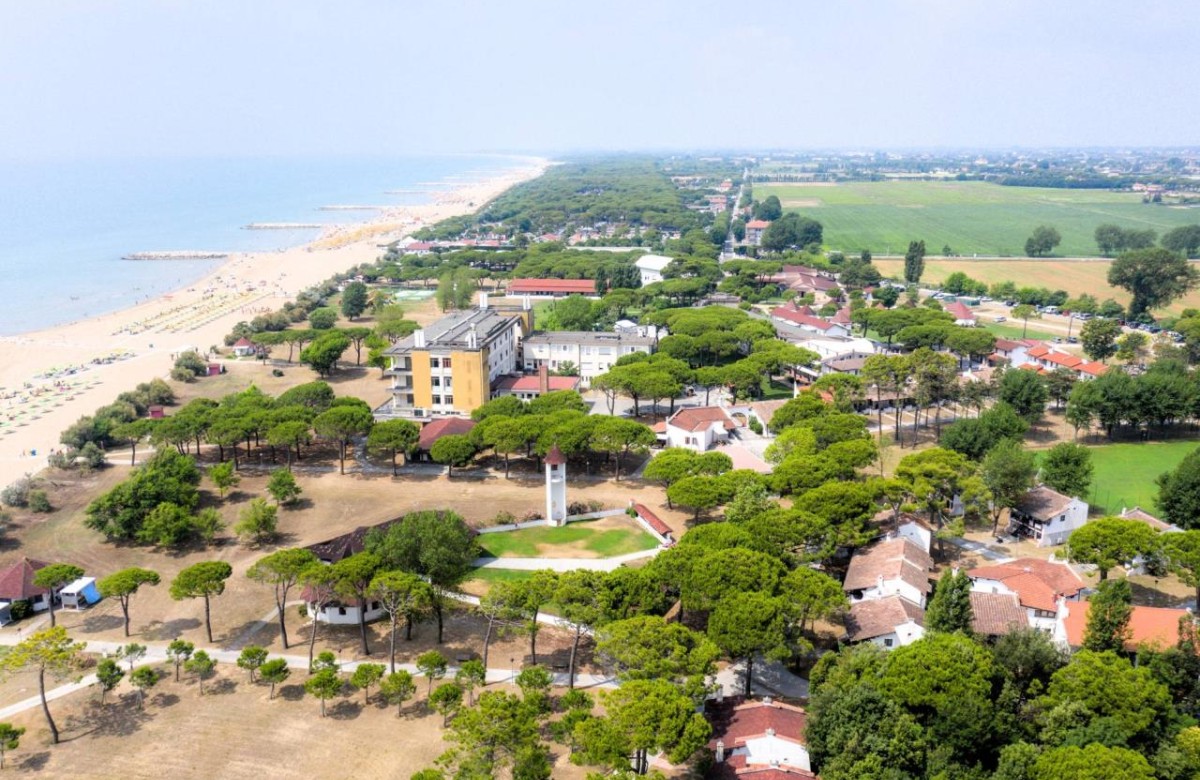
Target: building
[436, 429]
[529, 387]
[651, 267]
[996, 614]
[16, 584]
[888, 622]
[552, 288]
[1039, 586]
[895, 567]
[1047, 516]
[591, 353]
[698, 428]
[244, 347]
[962, 315]
[1148, 626]
[1044, 359]
[451, 366]
[556, 486]
[1137, 513]
[803, 317]
[1015, 352]
[761, 740]
[755, 229]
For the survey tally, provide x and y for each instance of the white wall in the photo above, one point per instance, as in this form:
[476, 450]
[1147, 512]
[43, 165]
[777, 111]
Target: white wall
[905, 634]
[896, 587]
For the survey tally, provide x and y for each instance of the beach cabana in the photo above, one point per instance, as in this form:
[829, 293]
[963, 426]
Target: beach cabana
[80, 594]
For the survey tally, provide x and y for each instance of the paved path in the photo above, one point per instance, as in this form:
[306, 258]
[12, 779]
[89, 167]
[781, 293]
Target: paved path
[979, 547]
[564, 564]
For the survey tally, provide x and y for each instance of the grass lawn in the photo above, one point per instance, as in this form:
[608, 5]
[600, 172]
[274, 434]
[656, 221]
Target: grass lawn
[1008, 330]
[1125, 473]
[488, 577]
[970, 217]
[577, 540]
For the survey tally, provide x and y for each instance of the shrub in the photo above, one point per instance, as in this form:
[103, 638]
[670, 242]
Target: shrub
[93, 456]
[182, 375]
[17, 494]
[39, 501]
[20, 609]
[322, 319]
[276, 372]
[756, 426]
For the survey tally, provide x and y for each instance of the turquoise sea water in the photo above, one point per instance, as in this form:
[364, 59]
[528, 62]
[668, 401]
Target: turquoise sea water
[65, 226]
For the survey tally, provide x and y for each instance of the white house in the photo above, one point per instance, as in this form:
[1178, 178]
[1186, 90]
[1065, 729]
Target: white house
[756, 737]
[592, 353]
[1039, 586]
[915, 530]
[651, 267]
[888, 622]
[243, 347]
[698, 428]
[962, 315]
[895, 567]
[1047, 516]
[1148, 626]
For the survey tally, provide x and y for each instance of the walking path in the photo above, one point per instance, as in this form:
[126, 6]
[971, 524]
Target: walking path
[564, 564]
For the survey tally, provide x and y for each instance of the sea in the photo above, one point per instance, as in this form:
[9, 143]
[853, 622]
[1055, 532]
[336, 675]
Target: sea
[65, 227]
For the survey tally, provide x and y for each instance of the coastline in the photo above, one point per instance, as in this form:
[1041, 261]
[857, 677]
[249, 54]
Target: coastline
[135, 344]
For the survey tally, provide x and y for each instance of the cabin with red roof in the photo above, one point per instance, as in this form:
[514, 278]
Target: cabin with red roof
[243, 347]
[16, 584]
[1148, 626]
[1038, 585]
[529, 387]
[762, 740]
[698, 428]
[1044, 358]
[552, 288]
[962, 314]
[755, 229]
[802, 317]
[436, 429]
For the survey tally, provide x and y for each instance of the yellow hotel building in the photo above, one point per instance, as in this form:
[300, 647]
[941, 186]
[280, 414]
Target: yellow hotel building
[450, 366]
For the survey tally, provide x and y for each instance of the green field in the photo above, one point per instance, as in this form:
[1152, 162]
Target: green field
[491, 576]
[577, 539]
[1125, 473]
[1011, 330]
[970, 217]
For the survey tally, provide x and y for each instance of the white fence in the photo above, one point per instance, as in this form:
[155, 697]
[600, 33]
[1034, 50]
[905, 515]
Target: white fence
[499, 529]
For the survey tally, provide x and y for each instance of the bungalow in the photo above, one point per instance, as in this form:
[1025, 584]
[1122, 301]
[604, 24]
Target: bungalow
[244, 347]
[804, 318]
[1152, 626]
[330, 551]
[529, 387]
[763, 411]
[1044, 358]
[436, 429]
[552, 288]
[16, 584]
[1015, 352]
[1137, 513]
[755, 229]
[996, 614]
[762, 740]
[1038, 585]
[896, 567]
[698, 428]
[651, 267]
[888, 622]
[1047, 516]
[962, 315]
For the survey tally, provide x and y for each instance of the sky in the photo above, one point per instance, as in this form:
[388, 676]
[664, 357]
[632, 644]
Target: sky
[120, 78]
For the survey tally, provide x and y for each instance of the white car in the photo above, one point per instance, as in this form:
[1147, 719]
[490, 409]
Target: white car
[999, 318]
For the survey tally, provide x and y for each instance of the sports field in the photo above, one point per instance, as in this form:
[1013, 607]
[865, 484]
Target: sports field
[1125, 473]
[589, 539]
[970, 217]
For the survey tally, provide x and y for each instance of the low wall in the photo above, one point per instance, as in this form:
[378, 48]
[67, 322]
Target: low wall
[499, 529]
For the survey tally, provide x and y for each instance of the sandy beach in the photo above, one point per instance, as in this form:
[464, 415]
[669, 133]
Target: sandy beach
[49, 378]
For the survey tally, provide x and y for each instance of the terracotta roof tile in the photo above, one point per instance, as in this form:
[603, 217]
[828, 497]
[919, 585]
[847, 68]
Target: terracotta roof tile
[891, 559]
[577, 286]
[877, 617]
[1037, 583]
[739, 722]
[447, 426]
[16, 582]
[996, 613]
[1043, 503]
[698, 418]
[1157, 626]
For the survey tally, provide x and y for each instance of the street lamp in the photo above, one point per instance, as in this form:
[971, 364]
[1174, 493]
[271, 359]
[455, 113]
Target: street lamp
[512, 664]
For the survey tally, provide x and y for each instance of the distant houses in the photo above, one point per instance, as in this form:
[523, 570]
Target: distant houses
[651, 268]
[552, 288]
[1037, 585]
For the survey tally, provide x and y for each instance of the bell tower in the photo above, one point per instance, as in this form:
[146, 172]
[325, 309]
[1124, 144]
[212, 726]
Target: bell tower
[556, 486]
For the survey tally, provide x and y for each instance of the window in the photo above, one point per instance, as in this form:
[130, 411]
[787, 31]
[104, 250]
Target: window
[341, 610]
[887, 643]
[437, 399]
[446, 384]
[435, 381]
[445, 362]
[449, 400]
[434, 362]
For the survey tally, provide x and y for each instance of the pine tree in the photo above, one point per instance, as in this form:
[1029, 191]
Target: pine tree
[950, 608]
[1108, 617]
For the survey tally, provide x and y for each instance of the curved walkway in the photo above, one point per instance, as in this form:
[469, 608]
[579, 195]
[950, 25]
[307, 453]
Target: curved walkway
[564, 564]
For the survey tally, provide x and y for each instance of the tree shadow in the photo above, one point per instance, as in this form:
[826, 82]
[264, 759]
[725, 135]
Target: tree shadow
[94, 623]
[172, 629]
[346, 709]
[121, 718]
[164, 700]
[297, 505]
[221, 687]
[290, 692]
[1153, 597]
[34, 762]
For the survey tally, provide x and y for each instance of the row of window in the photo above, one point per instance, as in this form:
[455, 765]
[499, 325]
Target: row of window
[448, 400]
[437, 362]
[438, 381]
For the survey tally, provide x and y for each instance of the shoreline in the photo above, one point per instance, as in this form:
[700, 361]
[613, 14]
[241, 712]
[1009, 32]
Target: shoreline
[50, 377]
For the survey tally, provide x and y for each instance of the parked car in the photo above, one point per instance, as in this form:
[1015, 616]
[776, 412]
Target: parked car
[1073, 339]
[999, 318]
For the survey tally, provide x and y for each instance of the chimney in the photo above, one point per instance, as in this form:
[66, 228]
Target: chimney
[483, 301]
[526, 303]
[543, 378]
[767, 700]
[419, 338]
[720, 750]
[770, 732]
[472, 338]
[720, 694]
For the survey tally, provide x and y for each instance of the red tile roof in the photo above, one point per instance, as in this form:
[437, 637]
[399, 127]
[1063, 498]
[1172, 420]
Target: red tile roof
[1137, 513]
[996, 614]
[879, 617]
[652, 520]
[563, 286]
[1037, 583]
[699, 418]
[960, 311]
[555, 457]
[892, 559]
[16, 582]
[794, 315]
[446, 426]
[243, 342]
[1156, 626]
[734, 725]
[757, 224]
[531, 384]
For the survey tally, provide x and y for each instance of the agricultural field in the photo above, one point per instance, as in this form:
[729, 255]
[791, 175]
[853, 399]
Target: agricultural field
[970, 217]
[1074, 276]
[1125, 473]
[605, 538]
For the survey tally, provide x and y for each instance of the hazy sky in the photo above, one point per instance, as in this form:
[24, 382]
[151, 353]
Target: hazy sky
[88, 78]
